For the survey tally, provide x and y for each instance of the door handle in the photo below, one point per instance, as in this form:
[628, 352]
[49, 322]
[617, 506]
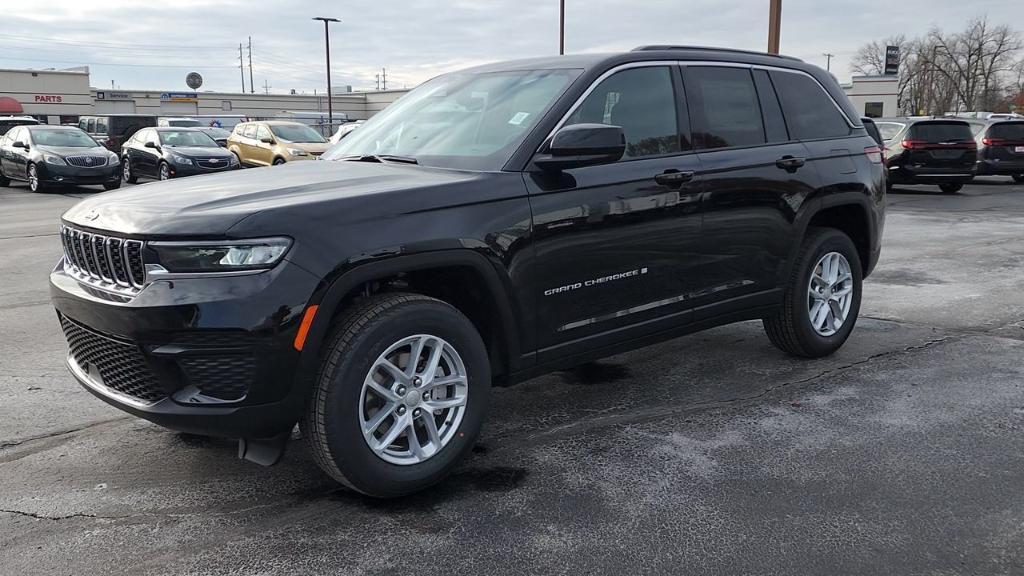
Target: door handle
[674, 177]
[790, 163]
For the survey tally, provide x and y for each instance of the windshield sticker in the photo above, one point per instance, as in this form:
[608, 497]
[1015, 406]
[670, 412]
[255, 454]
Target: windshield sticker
[519, 118]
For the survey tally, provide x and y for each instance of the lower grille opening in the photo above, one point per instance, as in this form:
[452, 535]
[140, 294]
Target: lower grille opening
[121, 365]
[225, 377]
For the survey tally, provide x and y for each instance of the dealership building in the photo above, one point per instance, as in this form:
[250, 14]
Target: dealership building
[61, 96]
[875, 96]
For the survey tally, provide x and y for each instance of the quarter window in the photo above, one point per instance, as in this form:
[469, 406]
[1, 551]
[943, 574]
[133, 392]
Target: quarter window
[642, 102]
[724, 107]
[810, 112]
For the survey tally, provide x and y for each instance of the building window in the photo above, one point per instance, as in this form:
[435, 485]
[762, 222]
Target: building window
[873, 109]
[225, 104]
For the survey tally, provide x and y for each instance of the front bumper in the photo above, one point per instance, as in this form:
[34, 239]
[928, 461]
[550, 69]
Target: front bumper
[74, 175]
[209, 356]
[181, 170]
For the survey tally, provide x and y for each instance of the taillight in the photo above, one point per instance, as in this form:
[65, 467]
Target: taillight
[874, 154]
[912, 144]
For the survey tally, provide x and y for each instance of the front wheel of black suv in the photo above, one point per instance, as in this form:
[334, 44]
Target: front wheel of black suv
[822, 298]
[400, 397]
[950, 188]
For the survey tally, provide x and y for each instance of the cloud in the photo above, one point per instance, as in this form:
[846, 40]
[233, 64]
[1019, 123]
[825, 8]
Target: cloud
[142, 44]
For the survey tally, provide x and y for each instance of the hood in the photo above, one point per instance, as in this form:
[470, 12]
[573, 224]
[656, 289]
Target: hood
[311, 147]
[210, 205]
[199, 151]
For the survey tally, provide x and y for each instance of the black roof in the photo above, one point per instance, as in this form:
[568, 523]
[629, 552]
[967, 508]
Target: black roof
[644, 53]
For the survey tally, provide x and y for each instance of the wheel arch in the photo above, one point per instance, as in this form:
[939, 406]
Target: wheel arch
[849, 213]
[472, 285]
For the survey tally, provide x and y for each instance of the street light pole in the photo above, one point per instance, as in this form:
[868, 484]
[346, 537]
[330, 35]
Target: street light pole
[561, 27]
[327, 44]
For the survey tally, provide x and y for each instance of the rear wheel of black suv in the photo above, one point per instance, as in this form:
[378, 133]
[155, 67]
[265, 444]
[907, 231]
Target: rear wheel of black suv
[950, 188]
[822, 298]
[400, 397]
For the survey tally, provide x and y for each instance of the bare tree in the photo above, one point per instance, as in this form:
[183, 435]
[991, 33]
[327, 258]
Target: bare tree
[870, 58]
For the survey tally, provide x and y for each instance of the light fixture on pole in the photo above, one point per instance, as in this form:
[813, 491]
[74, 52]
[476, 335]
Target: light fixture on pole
[327, 46]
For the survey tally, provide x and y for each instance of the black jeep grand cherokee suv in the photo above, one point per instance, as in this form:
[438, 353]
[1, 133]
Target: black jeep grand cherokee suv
[490, 226]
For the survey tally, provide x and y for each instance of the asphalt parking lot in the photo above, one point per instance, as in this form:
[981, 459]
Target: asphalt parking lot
[714, 453]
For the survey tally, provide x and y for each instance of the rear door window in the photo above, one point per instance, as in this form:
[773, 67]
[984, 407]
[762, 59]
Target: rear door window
[724, 107]
[642, 102]
[941, 132]
[810, 113]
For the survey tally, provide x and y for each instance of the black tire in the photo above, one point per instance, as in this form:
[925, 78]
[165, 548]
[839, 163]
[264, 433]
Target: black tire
[112, 185]
[278, 161]
[1018, 177]
[330, 425]
[4, 181]
[127, 174]
[34, 183]
[163, 171]
[950, 188]
[790, 329]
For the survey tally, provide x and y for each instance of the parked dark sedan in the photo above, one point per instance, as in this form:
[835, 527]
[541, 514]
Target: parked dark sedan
[165, 153]
[45, 156]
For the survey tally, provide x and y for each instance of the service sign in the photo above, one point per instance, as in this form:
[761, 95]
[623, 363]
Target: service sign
[106, 95]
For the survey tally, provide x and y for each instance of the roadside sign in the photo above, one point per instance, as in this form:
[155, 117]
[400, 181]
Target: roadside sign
[892, 60]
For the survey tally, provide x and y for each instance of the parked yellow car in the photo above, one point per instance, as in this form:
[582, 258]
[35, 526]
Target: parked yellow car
[273, 142]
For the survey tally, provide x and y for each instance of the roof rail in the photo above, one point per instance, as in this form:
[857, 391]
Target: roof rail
[654, 47]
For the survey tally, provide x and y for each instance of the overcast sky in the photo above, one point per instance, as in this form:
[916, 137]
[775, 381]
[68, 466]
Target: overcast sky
[148, 44]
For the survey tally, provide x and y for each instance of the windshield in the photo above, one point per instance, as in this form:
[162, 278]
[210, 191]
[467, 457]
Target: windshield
[70, 138]
[889, 130]
[460, 120]
[187, 138]
[183, 123]
[297, 133]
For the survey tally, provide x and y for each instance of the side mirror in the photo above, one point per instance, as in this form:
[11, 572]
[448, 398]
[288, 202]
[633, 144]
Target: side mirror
[151, 145]
[583, 145]
[20, 144]
[267, 140]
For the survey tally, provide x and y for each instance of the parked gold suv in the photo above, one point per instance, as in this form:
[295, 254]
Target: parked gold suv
[275, 142]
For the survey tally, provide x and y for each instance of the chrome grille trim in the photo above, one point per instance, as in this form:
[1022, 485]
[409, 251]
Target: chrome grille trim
[106, 263]
[82, 162]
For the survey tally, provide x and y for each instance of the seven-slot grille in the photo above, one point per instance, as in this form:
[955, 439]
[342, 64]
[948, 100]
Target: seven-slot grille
[106, 262]
[86, 161]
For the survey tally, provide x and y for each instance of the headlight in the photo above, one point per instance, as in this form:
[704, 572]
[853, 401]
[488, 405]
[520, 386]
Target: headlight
[51, 159]
[225, 256]
[112, 159]
[297, 152]
[178, 159]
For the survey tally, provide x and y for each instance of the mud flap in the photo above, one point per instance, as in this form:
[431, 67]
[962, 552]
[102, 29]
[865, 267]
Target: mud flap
[263, 451]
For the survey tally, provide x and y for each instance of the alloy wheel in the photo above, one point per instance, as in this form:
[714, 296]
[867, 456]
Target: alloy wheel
[829, 293]
[165, 172]
[33, 179]
[127, 171]
[413, 399]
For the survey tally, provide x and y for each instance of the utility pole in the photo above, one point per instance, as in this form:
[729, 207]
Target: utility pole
[241, 66]
[327, 47]
[828, 61]
[774, 25]
[561, 27]
[384, 78]
[266, 87]
[252, 89]
[377, 76]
